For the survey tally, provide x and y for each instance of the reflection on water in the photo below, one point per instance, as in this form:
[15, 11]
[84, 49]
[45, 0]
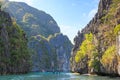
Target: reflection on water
[54, 76]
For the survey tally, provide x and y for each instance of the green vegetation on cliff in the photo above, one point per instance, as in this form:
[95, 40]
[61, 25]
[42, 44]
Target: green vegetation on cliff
[50, 49]
[89, 49]
[109, 56]
[14, 54]
[117, 29]
[105, 26]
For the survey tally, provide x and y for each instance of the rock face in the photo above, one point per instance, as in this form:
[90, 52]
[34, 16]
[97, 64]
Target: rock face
[102, 26]
[61, 44]
[14, 55]
[51, 54]
[51, 49]
[33, 21]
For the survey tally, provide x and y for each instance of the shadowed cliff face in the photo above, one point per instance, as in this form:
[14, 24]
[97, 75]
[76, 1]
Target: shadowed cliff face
[102, 26]
[52, 54]
[12, 45]
[50, 48]
[4, 32]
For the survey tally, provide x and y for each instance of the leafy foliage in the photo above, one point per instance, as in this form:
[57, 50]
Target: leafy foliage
[14, 54]
[88, 48]
[109, 55]
[117, 29]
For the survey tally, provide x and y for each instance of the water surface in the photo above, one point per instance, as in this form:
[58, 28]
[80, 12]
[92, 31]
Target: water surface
[54, 76]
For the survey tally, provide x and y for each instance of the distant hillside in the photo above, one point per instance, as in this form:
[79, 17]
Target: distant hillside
[49, 47]
[33, 21]
[96, 46]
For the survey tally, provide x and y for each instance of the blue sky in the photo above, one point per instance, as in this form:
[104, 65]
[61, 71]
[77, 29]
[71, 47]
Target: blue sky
[71, 15]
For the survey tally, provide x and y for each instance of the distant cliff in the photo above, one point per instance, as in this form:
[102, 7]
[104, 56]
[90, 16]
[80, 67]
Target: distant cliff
[97, 45]
[14, 55]
[50, 49]
[33, 21]
[51, 54]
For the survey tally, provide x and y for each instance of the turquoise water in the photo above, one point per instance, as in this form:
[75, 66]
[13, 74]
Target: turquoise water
[54, 76]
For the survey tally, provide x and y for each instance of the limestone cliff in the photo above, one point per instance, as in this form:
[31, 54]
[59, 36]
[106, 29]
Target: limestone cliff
[47, 44]
[51, 54]
[103, 26]
[14, 55]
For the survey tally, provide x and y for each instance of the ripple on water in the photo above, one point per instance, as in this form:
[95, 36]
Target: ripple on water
[17, 78]
[54, 76]
[34, 76]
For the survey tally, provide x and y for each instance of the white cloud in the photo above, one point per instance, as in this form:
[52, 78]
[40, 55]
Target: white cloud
[70, 31]
[92, 13]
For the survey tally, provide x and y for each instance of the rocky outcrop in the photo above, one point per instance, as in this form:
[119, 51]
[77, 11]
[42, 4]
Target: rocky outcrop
[51, 54]
[102, 27]
[63, 48]
[14, 56]
[51, 49]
